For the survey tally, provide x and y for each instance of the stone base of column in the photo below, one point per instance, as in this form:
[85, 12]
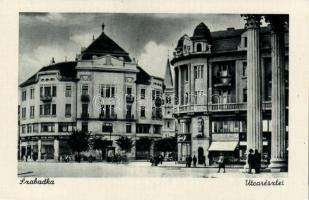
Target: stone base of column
[278, 165]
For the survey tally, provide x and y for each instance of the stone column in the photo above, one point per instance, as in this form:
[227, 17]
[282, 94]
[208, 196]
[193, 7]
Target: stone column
[56, 149]
[254, 103]
[278, 134]
[179, 86]
[39, 149]
[192, 90]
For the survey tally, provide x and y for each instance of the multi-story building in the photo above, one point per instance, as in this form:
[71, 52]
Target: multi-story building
[231, 91]
[168, 95]
[102, 92]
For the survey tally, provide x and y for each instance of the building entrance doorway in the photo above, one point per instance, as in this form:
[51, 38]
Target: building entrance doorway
[200, 155]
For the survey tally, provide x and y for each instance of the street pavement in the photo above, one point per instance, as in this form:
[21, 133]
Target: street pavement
[131, 169]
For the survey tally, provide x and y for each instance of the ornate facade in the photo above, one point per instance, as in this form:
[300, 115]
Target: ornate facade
[231, 92]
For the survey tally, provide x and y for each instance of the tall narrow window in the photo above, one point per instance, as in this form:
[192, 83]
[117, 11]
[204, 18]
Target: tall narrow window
[84, 108]
[32, 93]
[31, 111]
[112, 91]
[244, 68]
[67, 110]
[245, 95]
[24, 95]
[47, 91]
[41, 110]
[195, 72]
[41, 91]
[143, 111]
[129, 91]
[85, 127]
[107, 110]
[54, 91]
[128, 128]
[198, 47]
[143, 93]
[108, 91]
[84, 89]
[47, 109]
[153, 94]
[202, 71]
[68, 91]
[54, 112]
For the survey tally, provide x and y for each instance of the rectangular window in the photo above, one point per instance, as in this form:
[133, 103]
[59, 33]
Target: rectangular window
[85, 127]
[47, 91]
[244, 68]
[143, 111]
[113, 109]
[84, 108]
[41, 91]
[245, 95]
[156, 129]
[67, 110]
[31, 111]
[153, 94]
[113, 89]
[186, 74]
[29, 128]
[107, 128]
[54, 91]
[23, 113]
[128, 128]
[84, 89]
[23, 129]
[102, 109]
[54, 109]
[143, 93]
[41, 110]
[129, 90]
[68, 91]
[35, 128]
[107, 112]
[24, 95]
[245, 42]
[108, 91]
[195, 72]
[46, 109]
[32, 93]
[142, 128]
[47, 127]
[66, 127]
[202, 71]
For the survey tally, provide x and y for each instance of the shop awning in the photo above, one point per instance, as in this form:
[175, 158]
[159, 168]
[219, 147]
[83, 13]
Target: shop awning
[223, 146]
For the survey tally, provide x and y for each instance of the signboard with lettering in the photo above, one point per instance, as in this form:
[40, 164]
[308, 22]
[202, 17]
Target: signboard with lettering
[184, 138]
[225, 137]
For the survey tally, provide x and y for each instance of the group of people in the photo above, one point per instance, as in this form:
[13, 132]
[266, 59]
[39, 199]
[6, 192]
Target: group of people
[254, 161]
[190, 160]
[155, 160]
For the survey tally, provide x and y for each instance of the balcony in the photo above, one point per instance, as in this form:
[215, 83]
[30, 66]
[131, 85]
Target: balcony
[46, 98]
[156, 116]
[85, 98]
[84, 115]
[129, 98]
[129, 117]
[227, 107]
[112, 116]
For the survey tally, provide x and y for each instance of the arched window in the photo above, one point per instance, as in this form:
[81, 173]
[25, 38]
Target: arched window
[198, 47]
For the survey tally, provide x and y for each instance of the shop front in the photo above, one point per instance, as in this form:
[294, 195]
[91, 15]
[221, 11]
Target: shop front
[183, 146]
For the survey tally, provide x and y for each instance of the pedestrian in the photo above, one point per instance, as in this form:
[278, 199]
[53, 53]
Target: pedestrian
[204, 160]
[257, 161]
[250, 160]
[221, 163]
[189, 161]
[161, 159]
[194, 161]
[151, 160]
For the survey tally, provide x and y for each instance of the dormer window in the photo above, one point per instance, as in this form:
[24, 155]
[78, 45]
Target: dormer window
[198, 47]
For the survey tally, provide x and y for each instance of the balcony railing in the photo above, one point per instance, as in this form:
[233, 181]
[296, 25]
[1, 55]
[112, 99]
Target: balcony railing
[46, 98]
[84, 115]
[217, 107]
[129, 98]
[108, 116]
[85, 98]
[129, 116]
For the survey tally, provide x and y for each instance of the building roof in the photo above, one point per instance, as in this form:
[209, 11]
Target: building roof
[67, 71]
[168, 80]
[201, 32]
[142, 77]
[104, 45]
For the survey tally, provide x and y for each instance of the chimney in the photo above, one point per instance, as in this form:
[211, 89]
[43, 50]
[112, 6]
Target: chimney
[103, 25]
[52, 60]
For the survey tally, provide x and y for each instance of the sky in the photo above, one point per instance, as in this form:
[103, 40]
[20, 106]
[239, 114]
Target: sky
[149, 38]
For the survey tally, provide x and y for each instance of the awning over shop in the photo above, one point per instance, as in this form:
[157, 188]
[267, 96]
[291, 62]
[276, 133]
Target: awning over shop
[223, 146]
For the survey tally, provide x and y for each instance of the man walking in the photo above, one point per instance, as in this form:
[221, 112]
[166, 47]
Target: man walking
[221, 163]
[257, 161]
[250, 161]
[194, 161]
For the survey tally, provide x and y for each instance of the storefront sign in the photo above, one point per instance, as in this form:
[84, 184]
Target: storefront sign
[225, 137]
[184, 138]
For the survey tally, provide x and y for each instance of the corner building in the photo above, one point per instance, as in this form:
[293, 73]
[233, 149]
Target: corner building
[224, 87]
[103, 92]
